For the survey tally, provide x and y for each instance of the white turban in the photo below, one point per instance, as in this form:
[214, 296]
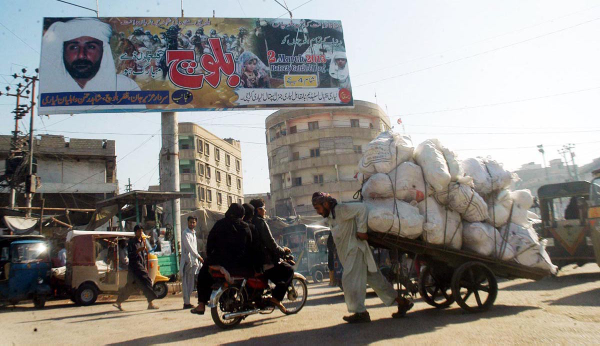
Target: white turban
[334, 70]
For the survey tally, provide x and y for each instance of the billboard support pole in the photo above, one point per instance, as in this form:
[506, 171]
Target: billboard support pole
[169, 172]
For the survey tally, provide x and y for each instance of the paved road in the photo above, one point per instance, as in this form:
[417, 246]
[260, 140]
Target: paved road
[562, 310]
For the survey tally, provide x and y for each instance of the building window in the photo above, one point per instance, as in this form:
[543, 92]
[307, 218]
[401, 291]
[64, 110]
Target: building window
[200, 146]
[318, 179]
[237, 165]
[206, 149]
[201, 169]
[297, 181]
[217, 154]
[239, 200]
[201, 192]
[293, 129]
[219, 198]
[207, 171]
[295, 155]
[315, 152]
[239, 183]
[229, 200]
[354, 123]
[358, 149]
[218, 175]
[185, 146]
[313, 125]
[228, 179]
[186, 170]
[208, 195]
[227, 159]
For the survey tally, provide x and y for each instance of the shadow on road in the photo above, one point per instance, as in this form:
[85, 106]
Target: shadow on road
[555, 283]
[30, 307]
[589, 298]
[189, 334]
[418, 322]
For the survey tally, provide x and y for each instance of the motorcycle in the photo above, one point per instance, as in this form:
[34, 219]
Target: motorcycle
[235, 298]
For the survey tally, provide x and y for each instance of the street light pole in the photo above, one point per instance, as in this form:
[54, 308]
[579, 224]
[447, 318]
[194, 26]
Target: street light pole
[541, 150]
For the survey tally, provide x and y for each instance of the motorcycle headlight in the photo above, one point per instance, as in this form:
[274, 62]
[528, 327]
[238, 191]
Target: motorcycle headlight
[40, 281]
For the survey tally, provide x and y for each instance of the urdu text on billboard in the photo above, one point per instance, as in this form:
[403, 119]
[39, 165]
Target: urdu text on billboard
[117, 64]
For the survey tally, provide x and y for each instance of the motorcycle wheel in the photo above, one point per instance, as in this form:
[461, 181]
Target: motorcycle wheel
[230, 299]
[296, 296]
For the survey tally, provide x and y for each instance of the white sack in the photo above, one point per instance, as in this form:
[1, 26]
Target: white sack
[400, 219]
[480, 238]
[439, 164]
[500, 209]
[488, 175]
[462, 198]
[409, 184]
[529, 250]
[385, 152]
[379, 185]
[440, 221]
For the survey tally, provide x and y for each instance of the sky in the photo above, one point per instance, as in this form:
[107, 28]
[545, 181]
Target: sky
[487, 78]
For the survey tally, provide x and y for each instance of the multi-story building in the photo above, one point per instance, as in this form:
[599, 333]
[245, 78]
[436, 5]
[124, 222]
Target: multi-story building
[209, 167]
[318, 150]
[74, 173]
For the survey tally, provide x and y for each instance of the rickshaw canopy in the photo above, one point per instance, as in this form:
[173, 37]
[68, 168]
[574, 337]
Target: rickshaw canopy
[573, 188]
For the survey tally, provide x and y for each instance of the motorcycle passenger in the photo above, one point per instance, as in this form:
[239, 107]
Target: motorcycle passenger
[229, 245]
[257, 257]
[280, 273]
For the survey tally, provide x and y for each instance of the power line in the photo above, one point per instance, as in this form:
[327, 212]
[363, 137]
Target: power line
[476, 42]
[20, 39]
[295, 8]
[499, 103]
[476, 54]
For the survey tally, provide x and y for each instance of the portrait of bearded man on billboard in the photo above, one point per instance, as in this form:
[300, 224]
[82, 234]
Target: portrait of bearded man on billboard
[76, 57]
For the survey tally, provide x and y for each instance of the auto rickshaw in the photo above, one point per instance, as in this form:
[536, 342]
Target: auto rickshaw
[594, 213]
[563, 209]
[94, 266]
[309, 246]
[24, 269]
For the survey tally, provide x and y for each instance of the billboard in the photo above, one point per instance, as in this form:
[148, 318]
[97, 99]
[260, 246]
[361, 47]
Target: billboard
[188, 64]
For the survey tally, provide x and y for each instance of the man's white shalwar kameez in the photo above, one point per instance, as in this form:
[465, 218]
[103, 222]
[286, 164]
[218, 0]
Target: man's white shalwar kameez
[355, 255]
[189, 264]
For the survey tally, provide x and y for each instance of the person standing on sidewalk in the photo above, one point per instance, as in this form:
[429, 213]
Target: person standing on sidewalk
[137, 274]
[190, 261]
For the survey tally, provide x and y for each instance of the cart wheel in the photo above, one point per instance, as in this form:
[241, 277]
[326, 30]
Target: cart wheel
[86, 294]
[474, 287]
[434, 290]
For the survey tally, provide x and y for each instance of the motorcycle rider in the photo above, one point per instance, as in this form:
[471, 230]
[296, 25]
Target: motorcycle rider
[280, 273]
[229, 245]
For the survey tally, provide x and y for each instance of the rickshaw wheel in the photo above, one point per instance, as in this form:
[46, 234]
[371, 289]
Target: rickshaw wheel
[86, 294]
[39, 301]
[161, 290]
[434, 290]
[317, 275]
[471, 283]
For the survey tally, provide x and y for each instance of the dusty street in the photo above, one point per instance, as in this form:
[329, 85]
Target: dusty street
[563, 310]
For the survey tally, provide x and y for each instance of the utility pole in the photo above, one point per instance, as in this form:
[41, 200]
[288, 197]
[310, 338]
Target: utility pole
[563, 152]
[541, 150]
[169, 172]
[128, 186]
[569, 147]
[16, 155]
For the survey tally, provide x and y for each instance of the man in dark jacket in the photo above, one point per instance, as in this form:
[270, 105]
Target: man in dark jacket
[280, 273]
[257, 256]
[229, 245]
[137, 274]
